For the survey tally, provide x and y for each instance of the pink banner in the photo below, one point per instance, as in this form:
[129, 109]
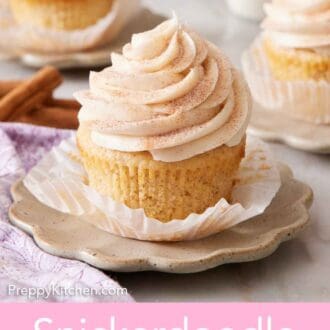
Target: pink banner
[165, 316]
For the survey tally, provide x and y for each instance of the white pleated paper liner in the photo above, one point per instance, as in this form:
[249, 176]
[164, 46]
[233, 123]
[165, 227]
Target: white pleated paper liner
[15, 37]
[59, 181]
[306, 100]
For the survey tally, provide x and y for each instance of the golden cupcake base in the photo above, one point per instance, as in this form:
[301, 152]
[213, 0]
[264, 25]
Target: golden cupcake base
[60, 14]
[303, 99]
[165, 191]
[296, 64]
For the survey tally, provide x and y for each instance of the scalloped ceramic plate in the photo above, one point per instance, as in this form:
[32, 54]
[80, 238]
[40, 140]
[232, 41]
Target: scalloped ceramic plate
[144, 20]
[72, 237]
[274, 126]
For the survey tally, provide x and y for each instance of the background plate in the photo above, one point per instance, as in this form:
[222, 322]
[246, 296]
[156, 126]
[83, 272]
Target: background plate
[72, 237]
[274, 126]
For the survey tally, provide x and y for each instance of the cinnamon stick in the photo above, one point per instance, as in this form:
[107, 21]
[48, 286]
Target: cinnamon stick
[63, 103]
[29, 94]
[7, 85]
[52, 117]
[30, 104]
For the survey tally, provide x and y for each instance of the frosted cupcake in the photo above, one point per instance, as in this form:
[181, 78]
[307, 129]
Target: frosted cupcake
[64, 26]
[288, 65]
[60, 14]
[163, 128]
[297, 39]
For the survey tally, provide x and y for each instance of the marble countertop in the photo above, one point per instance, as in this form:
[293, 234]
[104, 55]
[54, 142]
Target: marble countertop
[300, 269]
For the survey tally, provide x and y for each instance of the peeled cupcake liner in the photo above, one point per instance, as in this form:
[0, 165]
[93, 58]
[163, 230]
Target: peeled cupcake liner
[306, 100]
[60, 182]
[19, 38]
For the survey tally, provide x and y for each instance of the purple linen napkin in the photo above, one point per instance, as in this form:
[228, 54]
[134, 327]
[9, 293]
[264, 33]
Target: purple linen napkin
[22, 263]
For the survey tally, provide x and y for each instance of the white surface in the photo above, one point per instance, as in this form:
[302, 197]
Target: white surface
[300, 269]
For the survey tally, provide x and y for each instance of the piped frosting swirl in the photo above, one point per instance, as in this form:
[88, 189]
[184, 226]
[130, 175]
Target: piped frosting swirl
[299, 24]
[170, 93]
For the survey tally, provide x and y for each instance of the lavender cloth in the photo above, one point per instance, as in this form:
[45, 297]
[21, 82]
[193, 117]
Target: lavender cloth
[22, 263]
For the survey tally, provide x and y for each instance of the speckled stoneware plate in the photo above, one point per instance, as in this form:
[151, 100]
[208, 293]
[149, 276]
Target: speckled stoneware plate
[72, 237]
[274, 126]
[143, 21]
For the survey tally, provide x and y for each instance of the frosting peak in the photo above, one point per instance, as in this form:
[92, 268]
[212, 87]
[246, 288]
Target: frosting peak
[299, 23]
[170, 93]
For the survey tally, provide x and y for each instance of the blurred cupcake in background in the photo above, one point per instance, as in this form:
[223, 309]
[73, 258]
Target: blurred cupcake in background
[64, 26]
[297, 39]
[60, 14]
[288, 65]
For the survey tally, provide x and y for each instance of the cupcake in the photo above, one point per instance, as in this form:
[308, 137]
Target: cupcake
[163, 128]
[297, 39]
[288, 65]
[60, 14]
[51, 27]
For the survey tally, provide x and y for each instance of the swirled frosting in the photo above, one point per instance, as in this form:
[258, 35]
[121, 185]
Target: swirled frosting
[170, 93]
[299, 24]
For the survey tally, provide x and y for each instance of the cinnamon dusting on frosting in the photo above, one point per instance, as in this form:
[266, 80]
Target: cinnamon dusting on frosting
[170, 93]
